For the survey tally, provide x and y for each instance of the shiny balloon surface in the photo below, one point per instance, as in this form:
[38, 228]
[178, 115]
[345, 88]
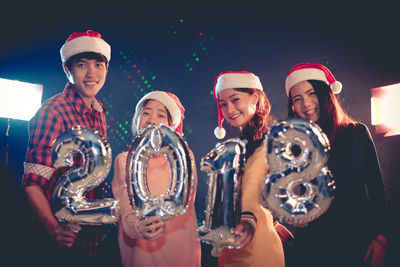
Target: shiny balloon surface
[299, 187]
[150, 142]
[68, 201]
[223, 165]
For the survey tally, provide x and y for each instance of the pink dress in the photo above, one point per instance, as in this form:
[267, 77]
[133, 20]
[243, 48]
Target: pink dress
[178, 245]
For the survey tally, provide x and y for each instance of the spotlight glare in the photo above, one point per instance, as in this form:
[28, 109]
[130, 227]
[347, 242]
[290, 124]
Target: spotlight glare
[385, 109]
[19, 100]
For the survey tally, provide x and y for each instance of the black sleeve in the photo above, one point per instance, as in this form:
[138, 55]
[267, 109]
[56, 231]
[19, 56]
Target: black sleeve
[375, 188]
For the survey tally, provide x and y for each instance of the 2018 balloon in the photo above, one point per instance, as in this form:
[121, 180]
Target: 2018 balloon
[152, 141]
[299, 187]
[223, 165]
[68, 202]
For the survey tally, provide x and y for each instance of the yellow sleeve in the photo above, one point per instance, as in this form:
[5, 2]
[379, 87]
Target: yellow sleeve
[253, 178]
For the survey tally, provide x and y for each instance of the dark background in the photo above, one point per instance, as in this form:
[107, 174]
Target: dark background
[182, 48]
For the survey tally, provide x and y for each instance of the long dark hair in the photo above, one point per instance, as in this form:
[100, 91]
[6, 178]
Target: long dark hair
[332, 115]
[255, 130]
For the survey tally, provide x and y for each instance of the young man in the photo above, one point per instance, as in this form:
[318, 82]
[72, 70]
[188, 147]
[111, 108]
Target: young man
[85, 57]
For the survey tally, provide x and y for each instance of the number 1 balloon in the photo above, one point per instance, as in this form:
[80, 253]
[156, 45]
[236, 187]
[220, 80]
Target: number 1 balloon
[223, 208]
[68, 202]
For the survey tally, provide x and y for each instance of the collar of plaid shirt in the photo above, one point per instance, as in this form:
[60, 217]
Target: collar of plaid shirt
[76, 100]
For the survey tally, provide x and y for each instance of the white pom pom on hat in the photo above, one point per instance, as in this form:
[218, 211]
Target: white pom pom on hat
[336, 87]
[219, 132]
[230, 80]
[311, 71]
[89, 41]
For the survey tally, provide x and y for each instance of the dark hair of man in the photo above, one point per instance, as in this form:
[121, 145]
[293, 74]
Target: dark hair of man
[88, 55]
[332, 114]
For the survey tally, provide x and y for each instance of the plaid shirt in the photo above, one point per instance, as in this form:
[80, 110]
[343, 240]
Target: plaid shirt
[57, 115]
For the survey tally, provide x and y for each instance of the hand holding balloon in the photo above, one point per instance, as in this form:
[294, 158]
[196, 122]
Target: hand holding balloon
[244, 232]
[66, 233]
[150, 227]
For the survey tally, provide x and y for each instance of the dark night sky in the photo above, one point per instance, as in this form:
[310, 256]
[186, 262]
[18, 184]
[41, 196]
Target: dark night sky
[357, 41]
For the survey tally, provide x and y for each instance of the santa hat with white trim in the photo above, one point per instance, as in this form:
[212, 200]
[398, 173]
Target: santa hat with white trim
[311, 71]
[230, 80]
[170, 101]
[89, 41]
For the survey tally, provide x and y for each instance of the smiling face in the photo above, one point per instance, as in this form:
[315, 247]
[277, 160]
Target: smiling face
[153, 113]
[238, 108]
[305, 101]
[88, 77]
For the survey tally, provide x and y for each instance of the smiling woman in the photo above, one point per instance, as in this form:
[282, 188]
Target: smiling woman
[305, 101]
[243, 103]
[360, 193]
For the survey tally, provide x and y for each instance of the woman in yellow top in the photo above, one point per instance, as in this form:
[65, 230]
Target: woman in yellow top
[243, 103]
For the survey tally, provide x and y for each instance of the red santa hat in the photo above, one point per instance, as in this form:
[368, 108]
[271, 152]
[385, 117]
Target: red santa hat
[171, 102]
[230, 80]
[89, 41]
[311, 71]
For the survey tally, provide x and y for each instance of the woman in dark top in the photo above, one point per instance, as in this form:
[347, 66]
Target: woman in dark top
[353, 230]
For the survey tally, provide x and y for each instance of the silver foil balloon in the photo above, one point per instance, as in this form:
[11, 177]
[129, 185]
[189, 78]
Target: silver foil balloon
[299, 187]
[296, 145]
[223, 165]
[152, 141]
[296, 200]
[68, 202]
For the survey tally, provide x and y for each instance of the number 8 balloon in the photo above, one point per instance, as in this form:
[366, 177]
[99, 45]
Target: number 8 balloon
[68, 202]
[299, 187]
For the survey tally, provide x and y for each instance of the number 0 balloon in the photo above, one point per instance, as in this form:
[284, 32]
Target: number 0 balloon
[68, 201]
[159, 140]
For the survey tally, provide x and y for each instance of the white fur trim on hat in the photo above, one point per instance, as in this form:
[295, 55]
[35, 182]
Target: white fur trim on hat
[304, 75]
[237, 80]
[85, 44]
[167, 101]
[311, 71]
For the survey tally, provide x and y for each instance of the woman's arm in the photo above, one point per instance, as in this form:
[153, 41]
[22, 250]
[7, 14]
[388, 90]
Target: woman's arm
[128, 221]
[252, 181]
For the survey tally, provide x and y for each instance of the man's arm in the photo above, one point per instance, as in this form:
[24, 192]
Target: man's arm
[64, 234]
[41, 208]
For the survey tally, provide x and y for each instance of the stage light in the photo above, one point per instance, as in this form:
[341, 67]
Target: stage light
[19, 100]
[385, 109]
